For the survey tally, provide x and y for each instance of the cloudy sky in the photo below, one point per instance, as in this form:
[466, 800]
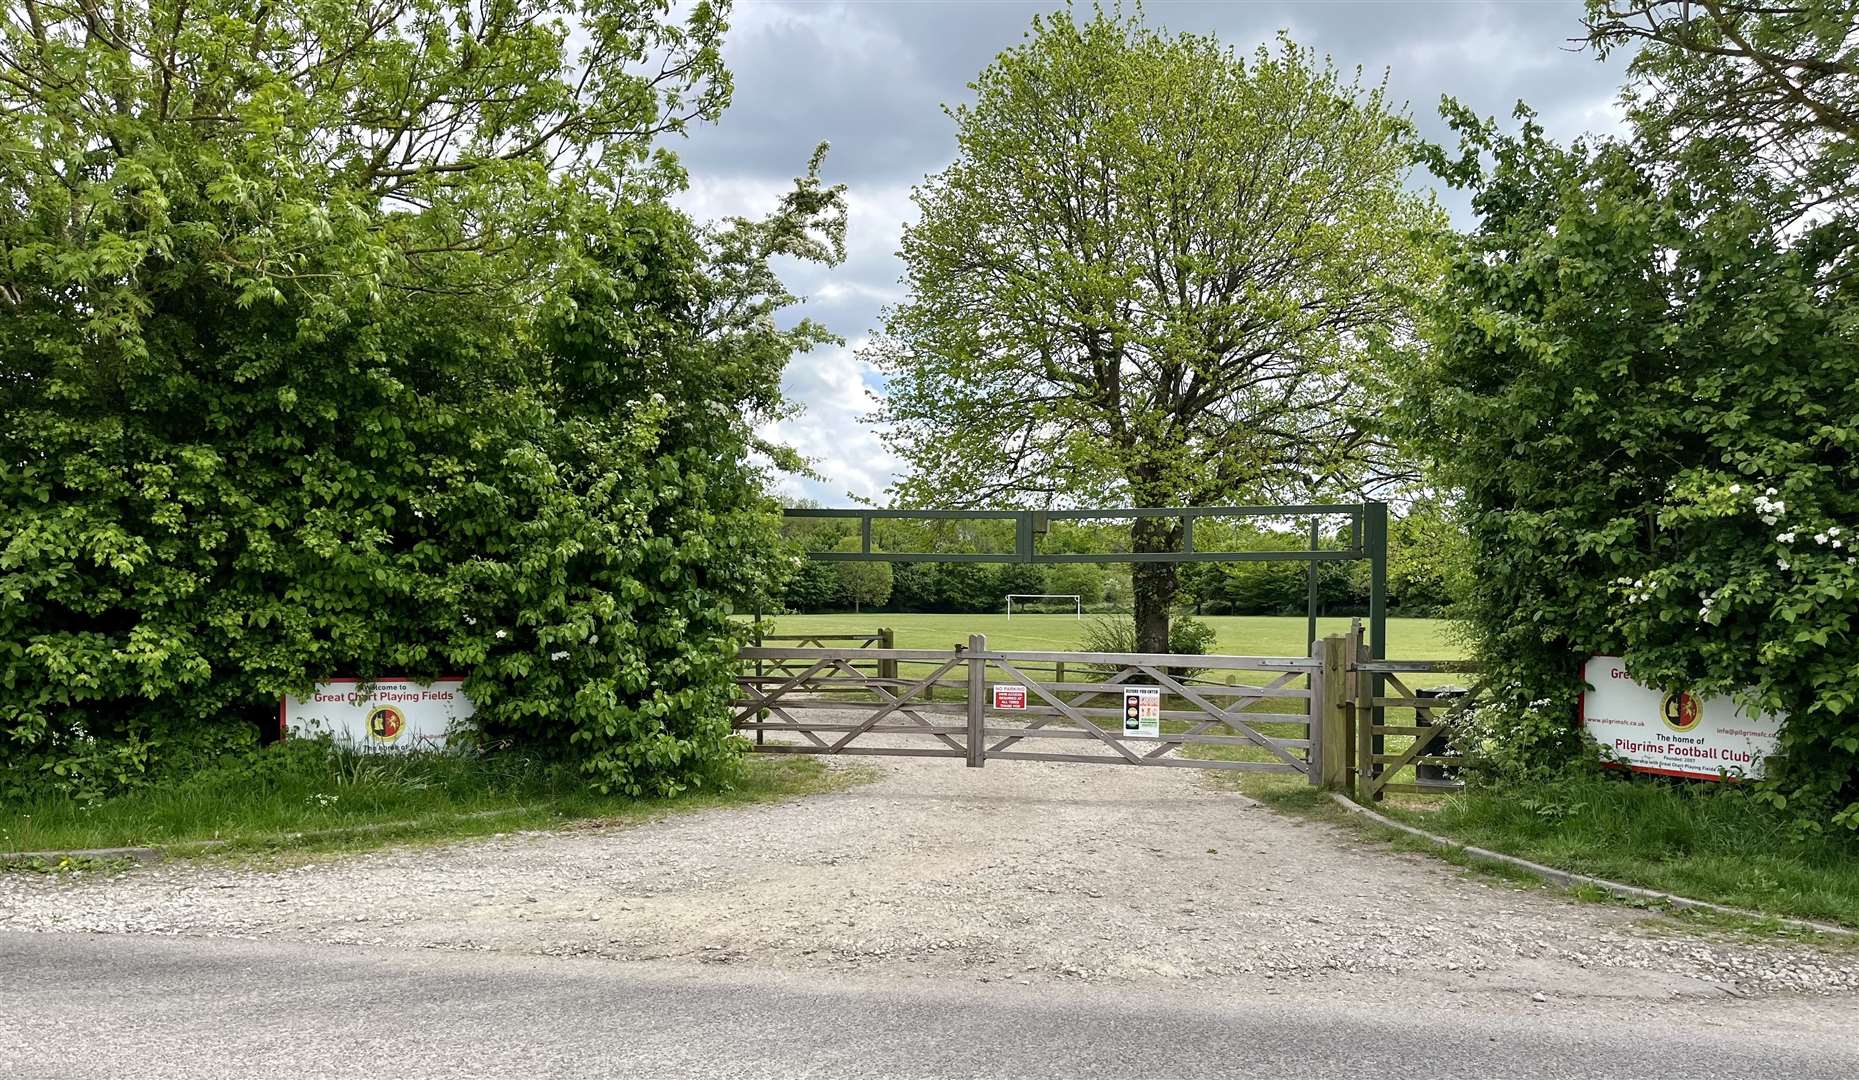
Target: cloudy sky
[871, 77]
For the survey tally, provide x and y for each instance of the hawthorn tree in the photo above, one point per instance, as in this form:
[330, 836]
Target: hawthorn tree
[1149, 277]
[349, 339]
[1642, 383]
[1644, 389]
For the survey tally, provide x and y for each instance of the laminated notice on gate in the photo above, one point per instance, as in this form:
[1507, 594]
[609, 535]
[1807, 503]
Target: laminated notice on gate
[1009, 697]
[1142, 711]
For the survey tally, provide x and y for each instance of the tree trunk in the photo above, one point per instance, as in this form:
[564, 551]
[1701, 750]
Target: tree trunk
[1153, 584]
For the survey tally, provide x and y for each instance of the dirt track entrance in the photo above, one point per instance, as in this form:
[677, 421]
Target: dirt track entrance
[1039, 873]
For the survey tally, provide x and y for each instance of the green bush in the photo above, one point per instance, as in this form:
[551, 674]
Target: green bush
[1187, 636]
[1648, 399]
[1190, 636]
[274, 408]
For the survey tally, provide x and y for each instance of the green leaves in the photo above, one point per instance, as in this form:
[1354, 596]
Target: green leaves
[1146, 272]
[362, 341]
[1647, 398]
[1153, 276]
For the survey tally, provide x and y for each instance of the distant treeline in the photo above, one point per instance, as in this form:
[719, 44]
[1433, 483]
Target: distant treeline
[1422, 573]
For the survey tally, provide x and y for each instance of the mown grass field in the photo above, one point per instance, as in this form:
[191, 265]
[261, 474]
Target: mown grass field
[1238, 635]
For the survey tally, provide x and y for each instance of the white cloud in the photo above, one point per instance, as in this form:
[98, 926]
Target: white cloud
[835, 291]
[1605, 115]
[834, 389]
[831, 385]
[712, 197]
[1474, 49]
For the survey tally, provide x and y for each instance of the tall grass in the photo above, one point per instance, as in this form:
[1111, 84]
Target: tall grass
[309, 792]
[1707, 841]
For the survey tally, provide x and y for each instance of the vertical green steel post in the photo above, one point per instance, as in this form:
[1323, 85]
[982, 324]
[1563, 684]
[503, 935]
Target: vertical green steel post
[1375, 542]
[1310, 599]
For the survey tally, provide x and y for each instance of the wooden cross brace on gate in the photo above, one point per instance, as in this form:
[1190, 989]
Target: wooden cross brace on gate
[758, 700]
[1217, 715]
[1376, 772]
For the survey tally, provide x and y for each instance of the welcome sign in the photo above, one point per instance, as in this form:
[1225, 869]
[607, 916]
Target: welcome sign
[395, 714]
[1673, 733]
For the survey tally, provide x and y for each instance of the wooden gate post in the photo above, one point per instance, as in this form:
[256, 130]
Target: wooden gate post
[1329, 718]
[761, 715]
[887, 639]
[977, 703]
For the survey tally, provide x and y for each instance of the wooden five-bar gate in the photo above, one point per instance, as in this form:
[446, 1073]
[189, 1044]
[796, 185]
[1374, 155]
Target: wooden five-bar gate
[1320, 716]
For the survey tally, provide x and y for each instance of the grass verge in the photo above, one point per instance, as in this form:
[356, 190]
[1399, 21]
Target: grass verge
[312, 796]
[1708, 843]
[1705, 841]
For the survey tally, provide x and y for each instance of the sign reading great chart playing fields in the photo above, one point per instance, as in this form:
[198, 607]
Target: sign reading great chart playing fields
[397, 715]
[1675, 733]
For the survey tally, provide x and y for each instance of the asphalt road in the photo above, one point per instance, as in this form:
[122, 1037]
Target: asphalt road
[84, 1006]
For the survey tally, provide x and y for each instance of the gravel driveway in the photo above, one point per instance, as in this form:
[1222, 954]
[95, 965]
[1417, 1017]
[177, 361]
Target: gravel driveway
[1021, 872]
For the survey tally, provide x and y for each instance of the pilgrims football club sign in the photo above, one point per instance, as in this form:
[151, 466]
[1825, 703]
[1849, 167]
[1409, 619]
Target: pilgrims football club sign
[1673, 732]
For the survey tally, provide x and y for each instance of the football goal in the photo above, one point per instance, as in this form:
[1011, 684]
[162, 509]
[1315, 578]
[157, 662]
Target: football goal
[1077, 601]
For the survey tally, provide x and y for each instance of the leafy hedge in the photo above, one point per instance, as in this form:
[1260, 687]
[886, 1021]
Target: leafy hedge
[286, 393]
[1648, 396]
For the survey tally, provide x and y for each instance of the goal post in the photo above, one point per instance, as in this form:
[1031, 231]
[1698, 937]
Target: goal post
[1076, 599]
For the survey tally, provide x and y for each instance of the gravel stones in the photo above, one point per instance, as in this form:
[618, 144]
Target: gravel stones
[1021, 870]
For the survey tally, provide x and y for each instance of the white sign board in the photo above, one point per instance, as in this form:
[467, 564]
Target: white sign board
[1009, 697]
[396, 715]
[1673, 733]
[1142, 711]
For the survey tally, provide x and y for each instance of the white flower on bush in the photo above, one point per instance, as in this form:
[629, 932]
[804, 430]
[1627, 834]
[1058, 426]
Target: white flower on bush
[1770, 509]
[560, 655]
[1785, 537]
[502, 634]
[1783, 563]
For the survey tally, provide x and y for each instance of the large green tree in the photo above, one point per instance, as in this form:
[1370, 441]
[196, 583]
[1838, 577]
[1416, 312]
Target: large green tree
[360, 340]
[1148, 279]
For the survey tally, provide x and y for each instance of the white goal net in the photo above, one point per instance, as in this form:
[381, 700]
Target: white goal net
[1077, 601]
